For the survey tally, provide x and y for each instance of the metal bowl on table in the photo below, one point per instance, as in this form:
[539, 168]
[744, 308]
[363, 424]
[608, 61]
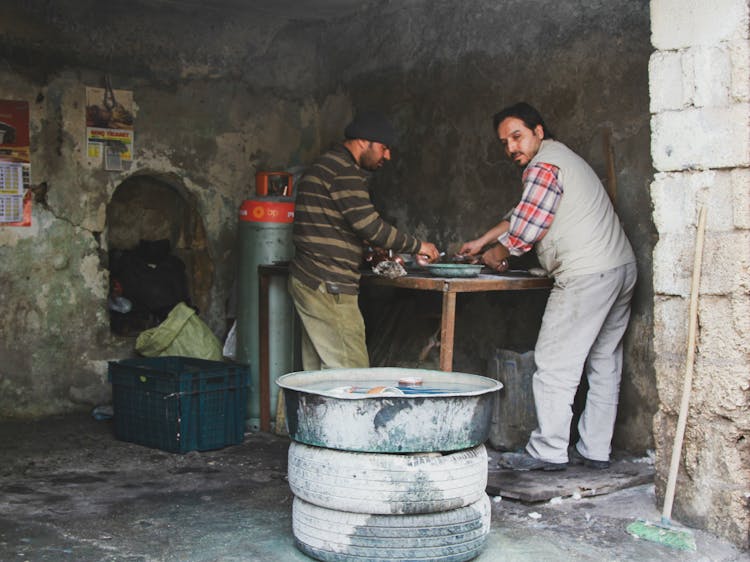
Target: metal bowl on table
[453, 269]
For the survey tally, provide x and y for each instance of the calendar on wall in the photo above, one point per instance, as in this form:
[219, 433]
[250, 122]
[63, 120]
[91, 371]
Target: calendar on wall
[15, 164]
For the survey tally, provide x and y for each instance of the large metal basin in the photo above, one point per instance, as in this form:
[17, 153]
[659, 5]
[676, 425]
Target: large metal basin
[456, 416]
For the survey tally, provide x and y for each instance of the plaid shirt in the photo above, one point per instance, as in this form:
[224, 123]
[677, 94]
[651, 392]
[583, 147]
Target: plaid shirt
[532, 217]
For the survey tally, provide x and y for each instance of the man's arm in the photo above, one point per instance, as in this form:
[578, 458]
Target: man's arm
[475, 246]
[533, 216]
[351, 196]
[529, 220]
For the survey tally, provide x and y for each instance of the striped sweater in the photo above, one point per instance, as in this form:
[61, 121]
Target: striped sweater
[333, 219]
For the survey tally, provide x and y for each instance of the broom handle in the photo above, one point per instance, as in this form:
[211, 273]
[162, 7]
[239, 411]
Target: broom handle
[688, 383]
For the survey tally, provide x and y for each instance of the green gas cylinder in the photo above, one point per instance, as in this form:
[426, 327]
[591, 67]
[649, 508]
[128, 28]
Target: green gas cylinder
[265, 237]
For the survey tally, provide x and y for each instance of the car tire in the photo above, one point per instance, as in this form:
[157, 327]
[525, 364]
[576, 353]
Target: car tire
[448, 536]
[382, 483]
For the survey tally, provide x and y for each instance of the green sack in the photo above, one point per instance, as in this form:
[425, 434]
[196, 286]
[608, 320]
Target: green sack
[183, 334]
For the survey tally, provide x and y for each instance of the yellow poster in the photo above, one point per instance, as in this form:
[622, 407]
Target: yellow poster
[109, 127]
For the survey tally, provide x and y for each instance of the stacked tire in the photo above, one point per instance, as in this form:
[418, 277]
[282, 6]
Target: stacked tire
[387, 506]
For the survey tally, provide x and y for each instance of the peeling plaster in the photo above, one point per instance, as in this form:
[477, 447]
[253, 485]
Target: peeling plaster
[95, 278]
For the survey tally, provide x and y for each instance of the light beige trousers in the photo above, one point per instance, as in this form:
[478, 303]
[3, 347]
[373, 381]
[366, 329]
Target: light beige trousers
[582, 330]
[333, 330]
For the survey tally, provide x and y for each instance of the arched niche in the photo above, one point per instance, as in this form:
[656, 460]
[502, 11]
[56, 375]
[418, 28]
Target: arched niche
[159, 210]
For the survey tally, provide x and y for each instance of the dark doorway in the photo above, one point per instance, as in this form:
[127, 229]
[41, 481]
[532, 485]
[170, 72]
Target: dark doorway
[158, 254]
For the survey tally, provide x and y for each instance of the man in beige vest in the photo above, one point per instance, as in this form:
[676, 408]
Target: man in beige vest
[566, 214]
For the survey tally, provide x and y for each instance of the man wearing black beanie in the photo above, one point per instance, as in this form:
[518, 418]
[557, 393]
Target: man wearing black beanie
[334, 218]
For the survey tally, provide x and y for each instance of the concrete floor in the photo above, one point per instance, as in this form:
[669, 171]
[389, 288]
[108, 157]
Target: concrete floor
[70, 491]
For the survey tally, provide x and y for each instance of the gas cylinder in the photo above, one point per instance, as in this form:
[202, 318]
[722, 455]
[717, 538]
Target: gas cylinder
[265, 237]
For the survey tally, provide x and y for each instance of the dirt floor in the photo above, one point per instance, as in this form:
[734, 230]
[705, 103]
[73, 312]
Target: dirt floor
[70, 491]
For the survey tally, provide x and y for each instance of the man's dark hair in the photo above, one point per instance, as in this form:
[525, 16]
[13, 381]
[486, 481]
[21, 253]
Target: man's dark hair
[526, 113]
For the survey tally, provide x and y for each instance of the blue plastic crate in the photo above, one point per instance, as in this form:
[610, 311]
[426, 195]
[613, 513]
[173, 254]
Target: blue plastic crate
[179, 404]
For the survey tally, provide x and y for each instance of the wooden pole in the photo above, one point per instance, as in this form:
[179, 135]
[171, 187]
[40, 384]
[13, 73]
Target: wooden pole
[609, 159]
[688, 382]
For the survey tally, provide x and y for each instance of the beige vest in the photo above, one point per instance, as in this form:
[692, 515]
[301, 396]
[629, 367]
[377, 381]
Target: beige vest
[585, 236]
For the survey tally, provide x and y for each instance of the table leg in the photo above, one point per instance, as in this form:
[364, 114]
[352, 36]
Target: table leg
[447, 328]
[263, 359]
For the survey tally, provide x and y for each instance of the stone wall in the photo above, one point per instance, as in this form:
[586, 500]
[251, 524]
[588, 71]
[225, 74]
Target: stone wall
[218, 95]
[700, 129]
[223, 92]
[442, 72]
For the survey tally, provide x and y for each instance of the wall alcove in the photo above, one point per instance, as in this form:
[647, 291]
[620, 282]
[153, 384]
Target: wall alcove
[158, 253]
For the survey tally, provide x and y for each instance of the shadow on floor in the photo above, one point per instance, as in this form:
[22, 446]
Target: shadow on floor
[70, 491]
[577, 481]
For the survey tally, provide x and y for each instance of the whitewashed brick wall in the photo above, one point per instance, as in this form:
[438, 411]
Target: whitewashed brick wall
[699, 82]
[676, 24]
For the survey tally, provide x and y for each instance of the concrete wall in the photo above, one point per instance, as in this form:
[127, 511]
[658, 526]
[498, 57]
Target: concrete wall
[700, 126]
[442, 72]
[218, 95]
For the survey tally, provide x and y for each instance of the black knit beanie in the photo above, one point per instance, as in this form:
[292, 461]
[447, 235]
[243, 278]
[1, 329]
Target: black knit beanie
[371, 126]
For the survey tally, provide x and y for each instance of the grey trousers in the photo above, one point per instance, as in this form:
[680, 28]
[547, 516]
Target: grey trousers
[582, 330]
[333, 330]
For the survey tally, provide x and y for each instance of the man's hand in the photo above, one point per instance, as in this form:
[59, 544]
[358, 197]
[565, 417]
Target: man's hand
[472, 247]
[496, 258]
[428, 250]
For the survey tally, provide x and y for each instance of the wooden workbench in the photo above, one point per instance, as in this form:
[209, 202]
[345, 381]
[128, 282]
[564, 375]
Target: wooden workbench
[422, 281]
